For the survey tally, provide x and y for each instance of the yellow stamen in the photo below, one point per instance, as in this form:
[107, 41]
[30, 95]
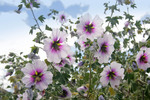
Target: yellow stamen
[58, 44]
[36, 73]
[40, 74]
[37, 79]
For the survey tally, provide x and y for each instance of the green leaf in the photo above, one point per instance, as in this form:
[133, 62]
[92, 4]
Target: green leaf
[113, 8]
[7, 66]
[48, 28]
[32, 28]
[18, 72]
[35, 49]
[47, 62]
[117, 44]
[125, 42]
[133, 6]
[41, 18]
[24, 1]
[138, 25]
[52, 11]
[148, 70]
[35, 4]
[11, 54]
[19, 7]
[111, 91]
[134, 86]
[129, 77]
[8, 87]
[113, 20]
[77, 22]
[128, 16]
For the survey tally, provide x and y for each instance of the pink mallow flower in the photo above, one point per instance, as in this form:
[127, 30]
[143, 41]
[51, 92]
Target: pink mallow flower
[106, 47]
[127, 23]
[143, 58]
[37, 74]
[56, 48]
[89, 28]
[62, 17]
[82, 89]
[62, 63]
[112, 74]
[66, 93]
[70, 58]
[83, 43]
[27, 95]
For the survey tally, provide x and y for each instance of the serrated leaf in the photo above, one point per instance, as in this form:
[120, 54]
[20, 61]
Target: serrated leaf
[48, 28]
[41, 18]
[12, 79]
[113, 20]
[35, 49]
[35, 4]
[18, 72]
[128, 16]
[7, 66]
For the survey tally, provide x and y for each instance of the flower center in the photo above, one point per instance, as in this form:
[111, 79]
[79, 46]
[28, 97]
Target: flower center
[56, 45]
[104, 48]
[62, 17]
[61, 63]
[86, 44]
[89, 28]
[69, 57]
[111, 75]
[85, 87]
[64, 94]
[37, 76]
[143, 59]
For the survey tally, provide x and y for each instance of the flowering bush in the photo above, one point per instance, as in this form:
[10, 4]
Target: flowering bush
[104, 64]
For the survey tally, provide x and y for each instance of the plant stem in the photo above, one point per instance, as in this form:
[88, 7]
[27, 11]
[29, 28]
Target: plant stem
[143, 90]
[35, 17]
[90, 75]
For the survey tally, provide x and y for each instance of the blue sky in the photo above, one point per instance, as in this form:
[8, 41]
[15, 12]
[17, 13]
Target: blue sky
[14, 27]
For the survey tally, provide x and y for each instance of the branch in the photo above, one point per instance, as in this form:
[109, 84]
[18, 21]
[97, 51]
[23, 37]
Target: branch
[35, 17]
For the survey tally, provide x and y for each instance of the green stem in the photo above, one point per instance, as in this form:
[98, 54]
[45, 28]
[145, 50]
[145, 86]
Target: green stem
[90, 75]
[35, 17]
[143, 98]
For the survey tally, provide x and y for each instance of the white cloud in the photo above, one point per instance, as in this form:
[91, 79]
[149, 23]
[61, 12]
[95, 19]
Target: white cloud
[12, 2]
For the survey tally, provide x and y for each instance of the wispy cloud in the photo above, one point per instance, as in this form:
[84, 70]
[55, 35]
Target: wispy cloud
[7, 7]
[145, 16]
[72, 10]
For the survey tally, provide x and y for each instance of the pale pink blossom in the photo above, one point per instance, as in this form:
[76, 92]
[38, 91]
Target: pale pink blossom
[112, 74]
[127, 23]
[106, 47]
[62, 17]
[83, 43]
[82, 88]
[37, 74]
[70, 58]
[143, 58]
[62, 63]
[56, 47]
[89, 28]
[66, 93]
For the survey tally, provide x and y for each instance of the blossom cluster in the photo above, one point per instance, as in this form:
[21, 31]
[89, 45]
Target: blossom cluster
[91, 36]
